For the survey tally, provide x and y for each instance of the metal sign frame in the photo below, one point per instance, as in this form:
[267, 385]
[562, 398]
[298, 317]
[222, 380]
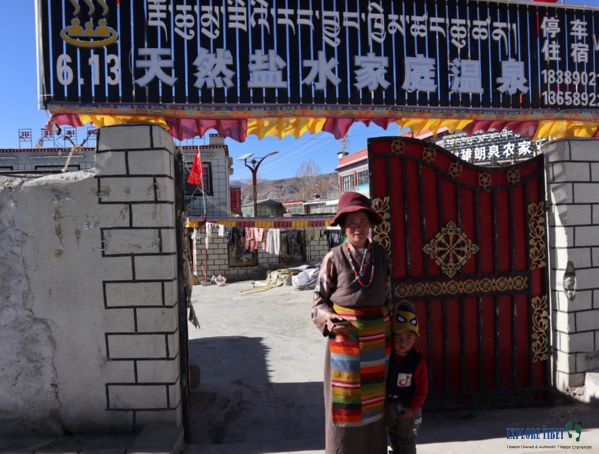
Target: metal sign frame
[318, 57]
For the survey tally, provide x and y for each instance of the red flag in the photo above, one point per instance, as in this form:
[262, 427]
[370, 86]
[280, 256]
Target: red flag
[196, 175]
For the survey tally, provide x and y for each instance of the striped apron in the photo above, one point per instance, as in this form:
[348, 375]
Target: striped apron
[359, 366]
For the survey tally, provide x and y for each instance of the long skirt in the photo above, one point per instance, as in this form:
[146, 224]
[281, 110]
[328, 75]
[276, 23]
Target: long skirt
[369, 439]
[354, 383]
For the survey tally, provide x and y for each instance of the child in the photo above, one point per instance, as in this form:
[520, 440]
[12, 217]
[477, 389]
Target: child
[407, 381]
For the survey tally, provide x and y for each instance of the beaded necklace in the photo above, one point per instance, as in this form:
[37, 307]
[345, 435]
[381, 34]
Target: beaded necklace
[361, 274]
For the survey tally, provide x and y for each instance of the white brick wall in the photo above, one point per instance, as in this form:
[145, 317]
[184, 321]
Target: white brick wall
[573, 189]
[137, 172]
[218, 259]
[567, 171]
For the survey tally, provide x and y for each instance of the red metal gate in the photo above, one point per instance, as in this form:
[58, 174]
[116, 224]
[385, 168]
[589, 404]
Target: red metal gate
[468, 247]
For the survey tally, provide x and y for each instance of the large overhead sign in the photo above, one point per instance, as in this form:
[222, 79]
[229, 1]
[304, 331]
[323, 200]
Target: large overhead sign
[318, 54]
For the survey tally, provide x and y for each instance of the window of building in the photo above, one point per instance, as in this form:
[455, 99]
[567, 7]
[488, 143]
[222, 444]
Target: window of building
[191, 188]
[362, 177]
[347, 183]
[208, 178]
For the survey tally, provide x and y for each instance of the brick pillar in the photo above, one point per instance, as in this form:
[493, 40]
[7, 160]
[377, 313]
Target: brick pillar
[573, 191]
[135, 172]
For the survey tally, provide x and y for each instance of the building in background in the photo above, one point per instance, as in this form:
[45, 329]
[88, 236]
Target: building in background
[45, 160]
[235, 200]
[294, 207]
[218, 167]
[353, 172]
[319, 206]
[266, 208]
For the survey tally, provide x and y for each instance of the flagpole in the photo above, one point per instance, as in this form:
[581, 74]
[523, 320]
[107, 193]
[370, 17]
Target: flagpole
[196, 176]
[205, 226]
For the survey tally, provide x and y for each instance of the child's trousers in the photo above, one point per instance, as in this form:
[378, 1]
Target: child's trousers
[402, 432]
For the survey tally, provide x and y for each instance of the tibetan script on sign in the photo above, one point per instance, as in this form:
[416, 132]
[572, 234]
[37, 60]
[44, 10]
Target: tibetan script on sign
[399, 53]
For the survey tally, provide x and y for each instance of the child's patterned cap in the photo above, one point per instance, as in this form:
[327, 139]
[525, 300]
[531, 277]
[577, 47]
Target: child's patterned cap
[404, 318]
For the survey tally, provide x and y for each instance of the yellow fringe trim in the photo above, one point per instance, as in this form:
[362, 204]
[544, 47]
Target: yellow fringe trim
[420, 125]
[557, 129]
[111, 120]
[298, 126]
[281, 127]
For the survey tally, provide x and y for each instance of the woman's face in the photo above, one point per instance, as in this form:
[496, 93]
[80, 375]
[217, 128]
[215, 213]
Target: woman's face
[356, 227]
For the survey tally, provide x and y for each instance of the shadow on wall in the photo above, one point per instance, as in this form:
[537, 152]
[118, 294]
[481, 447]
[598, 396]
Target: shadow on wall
[236, 402]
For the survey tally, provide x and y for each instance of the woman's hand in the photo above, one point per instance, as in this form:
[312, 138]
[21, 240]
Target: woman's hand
[338, 326]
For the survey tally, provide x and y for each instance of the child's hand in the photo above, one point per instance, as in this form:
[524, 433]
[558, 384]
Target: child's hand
[406, 413]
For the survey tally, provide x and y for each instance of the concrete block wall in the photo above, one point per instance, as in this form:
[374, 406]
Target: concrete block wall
[89, 336]
[572, 168]
[316, 245]
[218, 259]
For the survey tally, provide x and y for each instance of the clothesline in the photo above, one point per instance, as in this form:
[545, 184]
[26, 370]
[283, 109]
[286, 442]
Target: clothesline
[195, 222]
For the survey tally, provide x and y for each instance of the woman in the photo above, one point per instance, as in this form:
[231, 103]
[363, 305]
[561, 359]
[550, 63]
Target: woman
[350, 307]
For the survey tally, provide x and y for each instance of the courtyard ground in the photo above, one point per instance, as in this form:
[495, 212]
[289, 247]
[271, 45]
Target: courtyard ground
[260, 391]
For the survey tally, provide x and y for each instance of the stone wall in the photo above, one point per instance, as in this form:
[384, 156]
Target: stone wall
[218, 259]
[88, 296]
[573, 193]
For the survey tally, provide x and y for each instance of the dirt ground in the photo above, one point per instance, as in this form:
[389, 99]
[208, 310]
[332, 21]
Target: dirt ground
[260, 360]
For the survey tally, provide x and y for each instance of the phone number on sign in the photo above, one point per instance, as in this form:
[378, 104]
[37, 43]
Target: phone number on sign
[567, 98]
[569, 88]
[557, 76]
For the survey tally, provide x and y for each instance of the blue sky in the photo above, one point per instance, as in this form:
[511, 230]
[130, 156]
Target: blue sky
[18, 98]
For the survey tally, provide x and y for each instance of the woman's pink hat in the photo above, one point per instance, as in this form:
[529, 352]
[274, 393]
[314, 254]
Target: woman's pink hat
[350, 202]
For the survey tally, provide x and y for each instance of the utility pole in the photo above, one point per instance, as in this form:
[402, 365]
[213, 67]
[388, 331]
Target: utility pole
[253, 165]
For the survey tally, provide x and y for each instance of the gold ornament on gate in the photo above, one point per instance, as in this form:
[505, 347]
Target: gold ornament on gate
[382, 232]
[536, 232]
[540, 327]
[429, 154]
[450, 249]
[455, 169]
[484, 180]
[397, 147]
[513, 176]
[455, 287]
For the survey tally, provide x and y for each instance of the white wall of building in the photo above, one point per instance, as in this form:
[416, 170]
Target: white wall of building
[216, 154]
[46, 159]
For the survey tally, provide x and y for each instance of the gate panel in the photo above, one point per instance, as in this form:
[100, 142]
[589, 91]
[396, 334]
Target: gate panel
[468, 248]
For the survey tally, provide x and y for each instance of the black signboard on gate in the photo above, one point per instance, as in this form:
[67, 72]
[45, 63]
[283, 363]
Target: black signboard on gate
[414, 54]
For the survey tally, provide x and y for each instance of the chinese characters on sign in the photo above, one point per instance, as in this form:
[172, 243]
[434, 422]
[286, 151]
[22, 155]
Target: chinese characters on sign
[490, 147]
[25, 137]
[410, 53]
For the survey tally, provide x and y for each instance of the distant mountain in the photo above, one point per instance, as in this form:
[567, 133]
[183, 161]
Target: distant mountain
[240, 183]
[295, 188]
